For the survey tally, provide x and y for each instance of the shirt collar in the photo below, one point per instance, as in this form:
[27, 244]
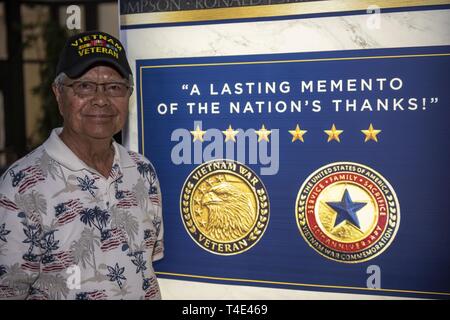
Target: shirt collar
[61, 153]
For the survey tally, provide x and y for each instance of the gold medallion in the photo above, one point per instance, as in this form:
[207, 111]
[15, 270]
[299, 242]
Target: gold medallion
[347, 212]
[224, 207]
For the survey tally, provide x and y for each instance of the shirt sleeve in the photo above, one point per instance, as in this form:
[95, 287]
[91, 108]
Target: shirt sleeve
[158, 252]
[19, 250]
[155, 188]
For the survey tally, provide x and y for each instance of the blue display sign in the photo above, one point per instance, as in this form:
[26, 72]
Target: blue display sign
[319, 171]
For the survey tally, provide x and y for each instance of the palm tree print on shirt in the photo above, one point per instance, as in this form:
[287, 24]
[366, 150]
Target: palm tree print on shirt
[33, 237]
[147, 172]
[87, 184]
[3, 232]
[116, 274]
[98, 218]
[139, 261]
[48, 244]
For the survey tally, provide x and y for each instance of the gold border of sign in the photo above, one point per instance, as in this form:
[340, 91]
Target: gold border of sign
[262, 201]
[274, 10]
[396, 207]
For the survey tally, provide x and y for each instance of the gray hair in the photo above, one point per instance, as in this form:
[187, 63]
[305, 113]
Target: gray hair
[60, 79]
[130, 80]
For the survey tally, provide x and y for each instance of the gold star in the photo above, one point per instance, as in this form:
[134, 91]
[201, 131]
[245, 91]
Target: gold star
[263, 134]
[371, 134]
[198, 199]
[230, 133]
[333, 134]
[297, 134]
[221, 178]
[198, 134]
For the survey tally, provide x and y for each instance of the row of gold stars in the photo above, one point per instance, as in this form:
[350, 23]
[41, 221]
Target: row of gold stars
[297, 134]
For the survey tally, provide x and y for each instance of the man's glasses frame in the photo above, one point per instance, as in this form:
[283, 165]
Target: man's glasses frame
[90, 88]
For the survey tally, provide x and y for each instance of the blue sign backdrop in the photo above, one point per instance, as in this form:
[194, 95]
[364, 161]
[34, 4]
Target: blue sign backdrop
[380, 113]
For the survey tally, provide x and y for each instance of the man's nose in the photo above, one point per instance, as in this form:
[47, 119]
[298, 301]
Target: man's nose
[100, 98]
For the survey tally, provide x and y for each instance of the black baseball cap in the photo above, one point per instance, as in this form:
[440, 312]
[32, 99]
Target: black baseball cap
[84, 50]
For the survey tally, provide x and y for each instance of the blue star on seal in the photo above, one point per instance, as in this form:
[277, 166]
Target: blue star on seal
[346, 210]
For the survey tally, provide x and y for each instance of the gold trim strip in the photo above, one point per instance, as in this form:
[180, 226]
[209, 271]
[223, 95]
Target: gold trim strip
[302, 284]
[268, 11]
[142, 112]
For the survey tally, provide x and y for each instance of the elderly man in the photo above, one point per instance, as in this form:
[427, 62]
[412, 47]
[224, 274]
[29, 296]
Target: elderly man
[80, 216]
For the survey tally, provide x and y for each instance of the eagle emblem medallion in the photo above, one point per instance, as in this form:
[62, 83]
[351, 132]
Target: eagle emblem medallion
[224, 207]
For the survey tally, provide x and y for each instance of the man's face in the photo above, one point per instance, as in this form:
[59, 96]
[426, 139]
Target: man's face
[96, 116]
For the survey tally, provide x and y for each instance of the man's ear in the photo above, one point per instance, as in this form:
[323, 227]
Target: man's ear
[57, 92]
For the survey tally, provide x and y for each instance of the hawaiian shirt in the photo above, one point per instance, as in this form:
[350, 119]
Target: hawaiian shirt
[67, 232]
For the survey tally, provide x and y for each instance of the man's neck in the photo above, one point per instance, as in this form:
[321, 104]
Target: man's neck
[96, 153]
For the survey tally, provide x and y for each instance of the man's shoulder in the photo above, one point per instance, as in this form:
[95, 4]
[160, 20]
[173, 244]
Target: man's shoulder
[28, 164]
[143, 165]
[136, 157]
[29, 160]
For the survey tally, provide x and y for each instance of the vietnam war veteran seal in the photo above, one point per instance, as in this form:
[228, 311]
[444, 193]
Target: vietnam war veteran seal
[224, 207]
[347, 212]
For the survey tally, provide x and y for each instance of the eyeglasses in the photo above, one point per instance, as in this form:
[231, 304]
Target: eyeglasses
[89, 88]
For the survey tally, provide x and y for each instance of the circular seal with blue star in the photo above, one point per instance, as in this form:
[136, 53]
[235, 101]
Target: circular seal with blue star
[347, 212]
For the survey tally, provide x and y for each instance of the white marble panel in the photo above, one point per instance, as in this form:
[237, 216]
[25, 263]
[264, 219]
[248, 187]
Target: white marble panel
[188, 290]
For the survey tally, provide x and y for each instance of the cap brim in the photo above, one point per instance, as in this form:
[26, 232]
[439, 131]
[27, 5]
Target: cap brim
[80, 68]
